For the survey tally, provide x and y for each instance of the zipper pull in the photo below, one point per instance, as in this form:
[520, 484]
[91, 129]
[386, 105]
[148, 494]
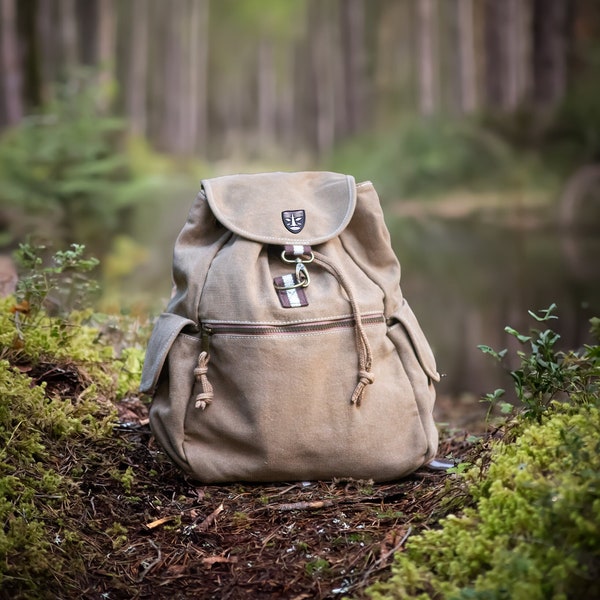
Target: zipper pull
[205, 338]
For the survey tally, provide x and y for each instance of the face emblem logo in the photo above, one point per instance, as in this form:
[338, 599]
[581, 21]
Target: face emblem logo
[293, 220]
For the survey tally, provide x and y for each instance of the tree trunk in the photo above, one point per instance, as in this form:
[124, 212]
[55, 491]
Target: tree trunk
[467, 67]
[171, 123]
[266, 89]
[507, 53]
[394, 67]
[354, 62]
[12, 76]
[551, 40]
[105, 51]
[288, 102]
[46, 20]
[67, 36]
[136, 86]
[323, 78]
[427, 56]
[198, 78]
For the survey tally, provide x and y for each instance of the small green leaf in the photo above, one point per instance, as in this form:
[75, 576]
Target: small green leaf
[522, 338]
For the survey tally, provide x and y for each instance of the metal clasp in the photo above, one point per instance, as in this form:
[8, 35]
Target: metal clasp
[298, 259]
[302, 276]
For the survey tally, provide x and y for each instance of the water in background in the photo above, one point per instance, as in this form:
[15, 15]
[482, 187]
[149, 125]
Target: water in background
[467, 279]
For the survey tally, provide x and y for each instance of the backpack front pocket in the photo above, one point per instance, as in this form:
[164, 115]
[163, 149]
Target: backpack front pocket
[292, 417]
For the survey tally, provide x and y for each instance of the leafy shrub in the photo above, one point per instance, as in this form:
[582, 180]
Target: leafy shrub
[545, 372]
[427, 157]
[68, 168]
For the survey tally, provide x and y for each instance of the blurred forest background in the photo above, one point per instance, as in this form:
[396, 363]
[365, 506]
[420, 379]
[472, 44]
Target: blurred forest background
[477, 120]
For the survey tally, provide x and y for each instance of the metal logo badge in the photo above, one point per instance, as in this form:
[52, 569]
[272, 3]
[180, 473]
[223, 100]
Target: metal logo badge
[293, 220]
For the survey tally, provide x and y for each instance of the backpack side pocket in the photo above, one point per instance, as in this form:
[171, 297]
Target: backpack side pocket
[419, 363]
[168, 375]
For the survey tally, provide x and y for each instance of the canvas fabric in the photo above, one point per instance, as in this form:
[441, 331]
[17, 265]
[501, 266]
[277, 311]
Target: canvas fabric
[331, 378]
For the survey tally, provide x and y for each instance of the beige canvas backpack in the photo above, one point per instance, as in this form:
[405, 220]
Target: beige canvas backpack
[287, 351]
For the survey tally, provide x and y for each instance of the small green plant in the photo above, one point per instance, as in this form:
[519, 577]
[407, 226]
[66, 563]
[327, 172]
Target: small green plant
[64, 282]
[317, 566]
[545, 373]
[126, 478]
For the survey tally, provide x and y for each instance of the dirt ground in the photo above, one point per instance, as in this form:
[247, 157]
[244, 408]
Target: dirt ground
[150, 532]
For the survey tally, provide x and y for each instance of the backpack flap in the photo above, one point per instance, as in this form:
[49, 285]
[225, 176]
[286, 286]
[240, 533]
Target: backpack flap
[165, 332]
[306, 208]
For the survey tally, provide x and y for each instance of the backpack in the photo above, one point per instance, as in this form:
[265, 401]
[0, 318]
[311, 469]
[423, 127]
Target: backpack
[287, 351]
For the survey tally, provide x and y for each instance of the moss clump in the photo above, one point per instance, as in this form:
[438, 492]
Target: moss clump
[533, 530]
[58, 381]
[35, 431]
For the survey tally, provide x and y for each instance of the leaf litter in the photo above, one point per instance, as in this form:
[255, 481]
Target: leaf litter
[179, 539]
[146, 531]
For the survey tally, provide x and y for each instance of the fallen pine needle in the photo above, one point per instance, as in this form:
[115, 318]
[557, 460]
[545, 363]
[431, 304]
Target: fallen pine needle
[211, 518]
[209, 561]
[160, 522]
[313, 505]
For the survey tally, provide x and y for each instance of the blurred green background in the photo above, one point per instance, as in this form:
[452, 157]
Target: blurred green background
[477, 120]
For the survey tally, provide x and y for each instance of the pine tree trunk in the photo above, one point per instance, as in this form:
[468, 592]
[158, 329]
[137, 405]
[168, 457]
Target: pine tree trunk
[354, 61]
[12, 76]
[136, 86]
[266, 85]
[323, 78]
[466, 56]
[105, 50]
[46, 19]
[198, 76]
[551, 41]
[507, 53]
[427, 56]
[67, 36]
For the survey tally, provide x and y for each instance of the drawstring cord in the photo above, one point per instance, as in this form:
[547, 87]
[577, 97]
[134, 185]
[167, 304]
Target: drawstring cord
[365, 356]
[204, 398]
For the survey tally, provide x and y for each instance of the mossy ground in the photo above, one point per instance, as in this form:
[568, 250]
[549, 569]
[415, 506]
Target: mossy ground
[533, 531]
[91, 508]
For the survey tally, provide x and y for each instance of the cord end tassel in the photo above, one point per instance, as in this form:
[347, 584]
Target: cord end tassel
[204, 398]
[365, 378]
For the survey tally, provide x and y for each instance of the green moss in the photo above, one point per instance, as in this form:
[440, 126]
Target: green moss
[58, 381]
[535, 529]
[126, 478]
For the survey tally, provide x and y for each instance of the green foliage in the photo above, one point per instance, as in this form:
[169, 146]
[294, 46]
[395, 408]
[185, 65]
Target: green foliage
[67, 166]
[66, 275]
[545, 372]
[428, 157]
[533, 529]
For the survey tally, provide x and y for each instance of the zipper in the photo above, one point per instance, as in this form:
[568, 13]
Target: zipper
[215, 328]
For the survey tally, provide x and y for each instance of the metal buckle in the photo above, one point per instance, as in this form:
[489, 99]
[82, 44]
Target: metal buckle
[302, 277]
[297, 259]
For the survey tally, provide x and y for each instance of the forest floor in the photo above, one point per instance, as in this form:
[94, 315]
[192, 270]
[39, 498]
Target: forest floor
[153, 533]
